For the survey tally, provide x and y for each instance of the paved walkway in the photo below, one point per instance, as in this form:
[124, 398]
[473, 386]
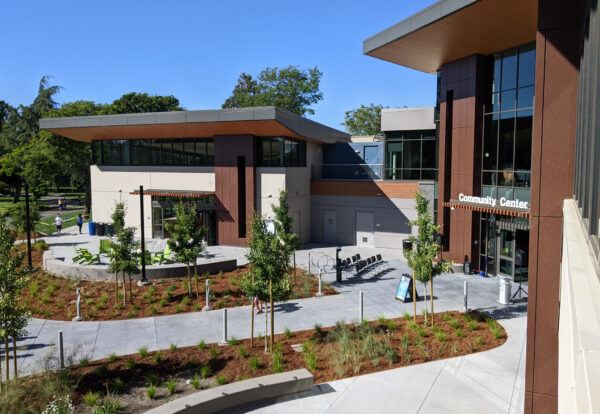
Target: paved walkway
[486, 382]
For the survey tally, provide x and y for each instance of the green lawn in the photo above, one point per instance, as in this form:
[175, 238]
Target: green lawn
[46, 225]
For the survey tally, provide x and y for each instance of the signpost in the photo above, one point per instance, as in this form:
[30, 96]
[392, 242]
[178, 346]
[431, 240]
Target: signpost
[405, 288]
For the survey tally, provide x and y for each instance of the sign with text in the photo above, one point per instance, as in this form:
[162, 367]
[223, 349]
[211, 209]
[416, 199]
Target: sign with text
[404, 290]
[493, 202]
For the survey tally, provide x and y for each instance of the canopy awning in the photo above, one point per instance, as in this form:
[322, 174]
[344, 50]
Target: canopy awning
[506, 211]
[175, 193]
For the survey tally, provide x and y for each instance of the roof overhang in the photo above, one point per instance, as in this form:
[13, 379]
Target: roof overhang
[258, 121]
[453, 29]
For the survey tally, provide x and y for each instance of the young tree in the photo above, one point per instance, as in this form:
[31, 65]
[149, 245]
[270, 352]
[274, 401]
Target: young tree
[288, 88]
[18, 216]
[424, 259]
[364, 120]
[123, 259]
[186, 238]
[13, 278]
[118, 216]
[283, 227]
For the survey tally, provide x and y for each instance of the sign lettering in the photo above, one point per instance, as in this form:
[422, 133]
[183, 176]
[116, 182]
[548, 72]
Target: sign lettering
[493, 202]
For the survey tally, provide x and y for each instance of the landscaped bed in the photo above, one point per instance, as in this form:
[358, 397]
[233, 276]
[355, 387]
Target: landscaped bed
[52, 297]
[148, 379]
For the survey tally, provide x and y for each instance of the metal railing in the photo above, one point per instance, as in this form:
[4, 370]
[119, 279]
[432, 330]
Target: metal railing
[347, 172]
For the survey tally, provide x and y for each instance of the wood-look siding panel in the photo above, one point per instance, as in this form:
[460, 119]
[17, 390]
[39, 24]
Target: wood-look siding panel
[401, 189]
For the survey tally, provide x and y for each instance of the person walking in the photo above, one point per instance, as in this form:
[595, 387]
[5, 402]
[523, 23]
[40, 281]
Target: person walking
[58, 223]
[257, 304]
[79, 222]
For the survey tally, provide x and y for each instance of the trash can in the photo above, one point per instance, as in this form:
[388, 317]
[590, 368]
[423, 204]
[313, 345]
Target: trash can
[505, 290]
[92, 228]
[100, 229]
[406, 244]
[467, 268]
[109, 230]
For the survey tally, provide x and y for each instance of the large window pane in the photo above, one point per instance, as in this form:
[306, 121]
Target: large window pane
[287, 152]
[506, 144]
[189, 157]
[497, 72]
[210, 152]
[177, 152]
[412, 155]
[276, 151]
[200, 151]
[428, 154]
[509, 70]
[490, 142]
[508, 100]
[527, 66]
[156, 152]
[393, 160]
[525, 97]
[523, 140]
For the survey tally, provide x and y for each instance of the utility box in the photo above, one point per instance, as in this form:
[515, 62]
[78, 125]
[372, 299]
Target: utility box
[505, 290]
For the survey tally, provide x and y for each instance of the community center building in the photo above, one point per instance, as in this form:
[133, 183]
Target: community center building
[232, 163]
[518, 174]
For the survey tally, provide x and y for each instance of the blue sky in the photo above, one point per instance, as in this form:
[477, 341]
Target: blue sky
[195, 50]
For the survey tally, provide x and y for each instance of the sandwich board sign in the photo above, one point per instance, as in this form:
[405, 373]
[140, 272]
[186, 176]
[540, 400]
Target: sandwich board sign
[404, 290]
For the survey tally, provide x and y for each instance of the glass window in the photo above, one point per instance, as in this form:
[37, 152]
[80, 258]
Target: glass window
[489, 178]
[287, 152]
[506, 144]
[525, 97]
[412, 155]
[177, 149]
[428, 154]
[509, 70]
[156, 152]
[508, 100]
[527, 66]
[200, 152]
[210, 152]
[490, 142]
[497, 72]
[523, 136]
[189, 157]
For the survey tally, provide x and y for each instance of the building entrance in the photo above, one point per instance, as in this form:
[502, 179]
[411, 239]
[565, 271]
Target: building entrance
[163, 212]
[504, 245]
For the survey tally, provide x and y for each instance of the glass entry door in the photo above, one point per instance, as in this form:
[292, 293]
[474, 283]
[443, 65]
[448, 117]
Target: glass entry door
[506, 247]
[157, 222]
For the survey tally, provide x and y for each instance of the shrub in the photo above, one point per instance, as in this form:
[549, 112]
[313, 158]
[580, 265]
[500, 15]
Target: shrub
[495, 328]
[277, 363]
[179, 308]
[310, 357]
[171, 386]
[111, 404]
[222, 380]
[91, 399]
[185, 301]
[382, 320]
[455, 324]
[158, 357]
[242, 352]
[130, 364]
[440, 336]
[254, 363]
[172, 346]
[390, 353]
[112, 357]
[446, 317]
[214, 352]
[478, 342]
[472, 325]
[201, 345]
[318, 329]
[40, 245]
[117, 385]
[195, 382]
[151, 392]
[287, 332]
[391, 325]
[233, 341]
[84, 361]
[143, 351]
[406, 316]
[405, 345]
[163, 302]
[205, 371]
[459, 333]
[60, 405]
[153, 310]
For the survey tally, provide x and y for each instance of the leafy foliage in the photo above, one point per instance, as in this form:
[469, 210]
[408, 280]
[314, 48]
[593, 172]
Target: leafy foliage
[289, 88]
[364, 120]
[118, 216]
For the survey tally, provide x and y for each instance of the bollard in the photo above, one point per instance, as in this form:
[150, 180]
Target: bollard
[224, 342]
[61, 350]
[320, 292]
[78, 305]
[466, 293]
[207, 291]
[360, 306]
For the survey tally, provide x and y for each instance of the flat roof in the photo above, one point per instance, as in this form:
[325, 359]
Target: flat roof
[452, 29]
[407, 119]
[258, 121]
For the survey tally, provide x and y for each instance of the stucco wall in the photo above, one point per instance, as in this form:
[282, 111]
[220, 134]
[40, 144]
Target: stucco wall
[112, 184]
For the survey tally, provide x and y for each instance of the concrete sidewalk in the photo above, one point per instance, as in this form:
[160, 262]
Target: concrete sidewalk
[486, 382]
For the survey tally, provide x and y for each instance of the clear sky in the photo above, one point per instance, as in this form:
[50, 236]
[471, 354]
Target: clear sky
[195, 50]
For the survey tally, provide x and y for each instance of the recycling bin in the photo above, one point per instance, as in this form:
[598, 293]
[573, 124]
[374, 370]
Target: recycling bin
[92, 228]
[100, 229]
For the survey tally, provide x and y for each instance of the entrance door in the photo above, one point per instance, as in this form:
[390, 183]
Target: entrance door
[329, 226]
[364, 228]
[506, 253]
[157, 222]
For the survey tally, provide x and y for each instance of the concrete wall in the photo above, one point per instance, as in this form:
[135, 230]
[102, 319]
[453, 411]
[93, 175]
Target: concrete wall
[391, 216]
[406, 119]
[113, 184]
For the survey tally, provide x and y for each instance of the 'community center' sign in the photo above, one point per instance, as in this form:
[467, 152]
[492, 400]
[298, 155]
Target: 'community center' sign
[493, 202]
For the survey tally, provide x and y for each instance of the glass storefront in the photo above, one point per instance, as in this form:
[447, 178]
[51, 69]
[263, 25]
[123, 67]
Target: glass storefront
[506, 161]
[411, 155]
[163, 212]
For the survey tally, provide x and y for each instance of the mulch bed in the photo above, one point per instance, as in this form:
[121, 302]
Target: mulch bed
[52, 297]
[400, 341]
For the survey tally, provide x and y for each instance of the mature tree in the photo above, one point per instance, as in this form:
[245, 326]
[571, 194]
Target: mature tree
[290, 88]
[136, 102]
[13, 278]
[123, 259]
[118, 216]
[186, 238]
[423, 259]
[364, 120]
[18, 216]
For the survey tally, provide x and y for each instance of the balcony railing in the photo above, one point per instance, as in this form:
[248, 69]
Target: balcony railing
[347, 172]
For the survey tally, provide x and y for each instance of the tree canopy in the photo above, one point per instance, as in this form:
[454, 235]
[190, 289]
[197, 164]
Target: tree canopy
[289, 88]
[364, 120]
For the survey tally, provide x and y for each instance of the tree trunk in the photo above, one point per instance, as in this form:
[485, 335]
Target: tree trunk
[189, 275]
[130, 290]
[272, 314]
[266, 328]
[295, 267]
[124, 291]
[425, 308]
[116, 287]
[252, 322]
[431, 299]
[15, 375]
[414, 299]
[6, 361]
[196, 281]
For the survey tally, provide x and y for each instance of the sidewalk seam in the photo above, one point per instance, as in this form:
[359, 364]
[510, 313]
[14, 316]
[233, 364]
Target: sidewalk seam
[431, 386]
[95, 340]
[512, 394]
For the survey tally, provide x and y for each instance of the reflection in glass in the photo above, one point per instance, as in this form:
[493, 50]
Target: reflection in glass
[509, 70]
[506, 144]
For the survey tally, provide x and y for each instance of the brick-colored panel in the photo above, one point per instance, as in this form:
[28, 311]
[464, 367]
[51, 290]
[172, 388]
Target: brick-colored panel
[391, 189]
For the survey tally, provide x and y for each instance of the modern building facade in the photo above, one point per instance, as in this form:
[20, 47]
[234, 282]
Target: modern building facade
[516, 113]
[232, 163]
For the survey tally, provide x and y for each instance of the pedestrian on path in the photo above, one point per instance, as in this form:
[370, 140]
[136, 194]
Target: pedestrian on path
[79, 222]
[58, 223]
[257, 304]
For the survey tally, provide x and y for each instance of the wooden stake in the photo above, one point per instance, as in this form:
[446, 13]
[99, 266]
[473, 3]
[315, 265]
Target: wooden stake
[431, 298]
[15, 358]
[272, 314]
[414, 299]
